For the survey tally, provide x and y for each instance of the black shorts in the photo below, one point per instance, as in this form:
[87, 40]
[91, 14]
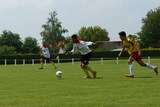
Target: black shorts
[85, 58]
[47, 59]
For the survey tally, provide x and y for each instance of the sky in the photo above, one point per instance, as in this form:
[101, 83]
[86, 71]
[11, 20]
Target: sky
[26, 17]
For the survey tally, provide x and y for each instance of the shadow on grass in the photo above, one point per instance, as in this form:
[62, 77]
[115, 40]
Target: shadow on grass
[98, 78]
[144, 77]
[93, 78]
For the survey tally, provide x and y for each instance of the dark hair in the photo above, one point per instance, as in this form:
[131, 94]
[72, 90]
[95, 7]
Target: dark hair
[122, 33]
[74, 36]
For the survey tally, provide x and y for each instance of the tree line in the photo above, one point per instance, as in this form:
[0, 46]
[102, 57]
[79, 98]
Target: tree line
[11, 43]
[53, 35]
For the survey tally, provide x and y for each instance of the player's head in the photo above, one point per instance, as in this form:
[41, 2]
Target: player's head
[44, 45]
[122, 35]
[74, 38]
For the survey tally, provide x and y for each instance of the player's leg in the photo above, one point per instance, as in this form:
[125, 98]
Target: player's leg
[53, 63]
[155, 68]
[92, 71]
[85, 61]
[41, 63]
[131, 68]
[83, 66]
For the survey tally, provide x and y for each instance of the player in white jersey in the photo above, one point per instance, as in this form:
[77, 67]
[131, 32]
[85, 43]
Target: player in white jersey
[46, 56]
[83, 48]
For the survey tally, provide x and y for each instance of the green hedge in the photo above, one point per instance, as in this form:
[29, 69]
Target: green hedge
[108, 54]
[112, 54]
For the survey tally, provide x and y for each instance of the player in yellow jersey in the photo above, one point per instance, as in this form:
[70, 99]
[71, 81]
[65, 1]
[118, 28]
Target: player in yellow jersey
[134, 51]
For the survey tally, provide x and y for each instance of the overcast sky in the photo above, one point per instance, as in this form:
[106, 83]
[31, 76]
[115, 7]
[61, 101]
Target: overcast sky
[26, 17]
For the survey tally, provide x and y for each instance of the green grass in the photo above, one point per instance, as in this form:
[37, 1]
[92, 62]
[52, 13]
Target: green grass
[27, 86]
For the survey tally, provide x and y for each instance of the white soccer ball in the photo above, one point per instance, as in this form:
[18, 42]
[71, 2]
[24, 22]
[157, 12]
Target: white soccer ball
[59, 74]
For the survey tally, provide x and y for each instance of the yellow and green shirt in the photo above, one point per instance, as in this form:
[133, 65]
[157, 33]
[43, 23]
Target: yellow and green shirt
[130, 45]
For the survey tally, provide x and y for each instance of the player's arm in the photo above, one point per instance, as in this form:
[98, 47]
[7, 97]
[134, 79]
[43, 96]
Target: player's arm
[89, 43]
[100, 42]
[121, 51]
[72, 51]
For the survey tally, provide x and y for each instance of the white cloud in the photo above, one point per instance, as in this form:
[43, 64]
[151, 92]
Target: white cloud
[17, 4]
[114, 15]
[5, 4]
[156, 2]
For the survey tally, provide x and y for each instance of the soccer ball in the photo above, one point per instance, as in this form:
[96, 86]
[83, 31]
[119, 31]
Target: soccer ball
[59, 74]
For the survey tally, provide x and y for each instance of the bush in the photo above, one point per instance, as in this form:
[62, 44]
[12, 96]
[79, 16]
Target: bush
[7, 50]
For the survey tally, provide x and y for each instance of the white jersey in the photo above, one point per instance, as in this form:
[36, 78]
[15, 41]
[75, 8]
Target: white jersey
[45, 52]
[82, 47]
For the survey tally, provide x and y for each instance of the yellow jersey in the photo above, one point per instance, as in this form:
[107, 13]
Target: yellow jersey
[130, 45]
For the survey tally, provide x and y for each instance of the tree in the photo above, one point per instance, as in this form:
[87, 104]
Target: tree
[8, 38]
[7, 50]
[150, 31]
[134, 37]
[68, 44]
[30, 45]
[53, 32]
[93, 34]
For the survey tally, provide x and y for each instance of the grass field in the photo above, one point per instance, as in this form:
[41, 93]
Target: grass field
[27, 86]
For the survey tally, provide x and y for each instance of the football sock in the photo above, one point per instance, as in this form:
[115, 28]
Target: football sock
[89, 69]
[131, 70]
[57, 57]
[41, 62]
[150, 66]
[86, 72]
[53, 63]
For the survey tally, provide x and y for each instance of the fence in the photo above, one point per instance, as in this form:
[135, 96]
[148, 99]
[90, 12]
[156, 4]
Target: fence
[72, 60]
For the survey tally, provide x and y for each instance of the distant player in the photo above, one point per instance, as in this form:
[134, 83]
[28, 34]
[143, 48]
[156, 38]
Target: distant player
[45, 55]
[82, 47]
[133, 48]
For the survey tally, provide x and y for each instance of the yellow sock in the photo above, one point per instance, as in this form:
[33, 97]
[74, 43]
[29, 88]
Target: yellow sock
[53, 63]
[92, 71]
[89, 69]
[86, 72]
[57, 57]
[41, 62]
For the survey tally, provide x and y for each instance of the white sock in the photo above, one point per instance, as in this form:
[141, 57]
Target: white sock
[131, 70]
[150, 66]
